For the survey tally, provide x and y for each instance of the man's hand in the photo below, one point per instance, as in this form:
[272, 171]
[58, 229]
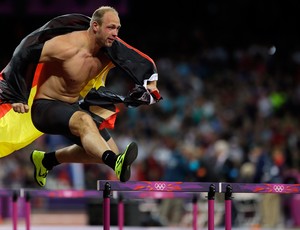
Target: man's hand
[152, 88]
[20, 107]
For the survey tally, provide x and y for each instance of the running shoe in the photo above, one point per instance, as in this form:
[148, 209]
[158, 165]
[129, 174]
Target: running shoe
[40, 172]
[124, 161]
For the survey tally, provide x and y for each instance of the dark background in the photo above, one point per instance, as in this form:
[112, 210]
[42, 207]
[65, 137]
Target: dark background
[162, 28]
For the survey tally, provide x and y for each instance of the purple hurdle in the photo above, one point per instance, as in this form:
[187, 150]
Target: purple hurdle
[153, 189]
[229, 188]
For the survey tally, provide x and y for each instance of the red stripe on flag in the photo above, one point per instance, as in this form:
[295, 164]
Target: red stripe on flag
[138, 51]
[37, 74]
[4, 108]
[109, 123]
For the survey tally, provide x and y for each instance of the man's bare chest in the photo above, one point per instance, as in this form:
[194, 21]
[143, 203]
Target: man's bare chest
[82, 68]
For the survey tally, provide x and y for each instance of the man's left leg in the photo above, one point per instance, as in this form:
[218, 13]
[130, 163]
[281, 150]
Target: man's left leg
[44, 162]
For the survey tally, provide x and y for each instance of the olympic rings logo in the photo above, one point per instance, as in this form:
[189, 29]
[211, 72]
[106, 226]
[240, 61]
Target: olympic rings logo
[278, 188]
[160, 186]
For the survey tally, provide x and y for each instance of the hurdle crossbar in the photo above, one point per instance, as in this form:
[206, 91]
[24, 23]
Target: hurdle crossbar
[261, 188]
[151, 186]
[68, 193]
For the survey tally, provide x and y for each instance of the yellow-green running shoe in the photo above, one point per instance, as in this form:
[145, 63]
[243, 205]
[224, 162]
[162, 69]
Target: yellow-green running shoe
[40, 172]
[124, 162]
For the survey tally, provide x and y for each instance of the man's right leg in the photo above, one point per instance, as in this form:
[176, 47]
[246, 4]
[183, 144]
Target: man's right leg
[82, 125]
[121, 163]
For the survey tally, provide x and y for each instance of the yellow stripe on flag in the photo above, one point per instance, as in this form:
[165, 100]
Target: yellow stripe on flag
[98, 81]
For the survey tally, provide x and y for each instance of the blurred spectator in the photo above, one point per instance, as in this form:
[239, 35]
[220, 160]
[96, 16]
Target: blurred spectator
[221, 167]
[197, 165]
[150, 169]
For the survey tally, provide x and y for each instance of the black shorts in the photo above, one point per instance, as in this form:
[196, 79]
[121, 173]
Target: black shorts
[52, 117]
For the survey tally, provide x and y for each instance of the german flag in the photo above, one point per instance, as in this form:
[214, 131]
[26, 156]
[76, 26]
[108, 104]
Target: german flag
[12, 136]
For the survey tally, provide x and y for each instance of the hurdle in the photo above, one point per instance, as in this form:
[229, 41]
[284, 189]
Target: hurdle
[230, 188]
[142, 189]
[14, 194]
[156, 189]
[70, 193]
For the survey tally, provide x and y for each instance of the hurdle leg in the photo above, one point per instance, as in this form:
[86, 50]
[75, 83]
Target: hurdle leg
[228, 203]
[195, 212]
[27, 211]
[1, 214]
[211, 207]
[15, 210]
[106, 206]
[120, 212]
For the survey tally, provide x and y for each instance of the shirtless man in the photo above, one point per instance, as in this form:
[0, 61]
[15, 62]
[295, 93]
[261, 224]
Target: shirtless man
[70, 62]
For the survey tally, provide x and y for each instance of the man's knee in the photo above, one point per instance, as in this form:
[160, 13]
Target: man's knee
[81, 121]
